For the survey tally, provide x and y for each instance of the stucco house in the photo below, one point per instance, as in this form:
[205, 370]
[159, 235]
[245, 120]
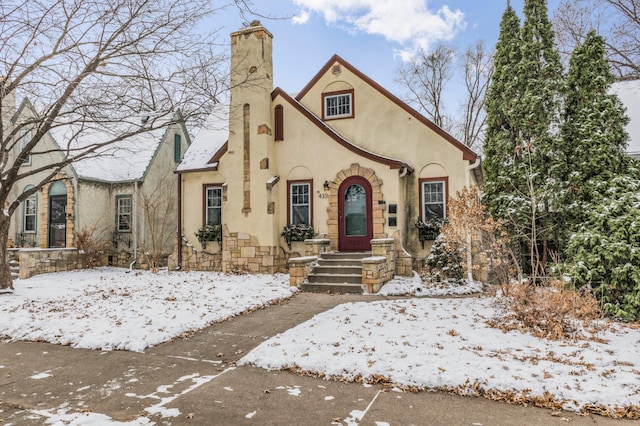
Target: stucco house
[123, 198]
[344, 155]
[629, 94]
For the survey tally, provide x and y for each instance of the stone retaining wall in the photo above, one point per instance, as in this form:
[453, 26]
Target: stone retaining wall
[43, 261]
[197, 260]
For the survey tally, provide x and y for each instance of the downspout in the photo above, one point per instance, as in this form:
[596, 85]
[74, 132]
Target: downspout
[469, 249]
[179, 259]
[135, 225]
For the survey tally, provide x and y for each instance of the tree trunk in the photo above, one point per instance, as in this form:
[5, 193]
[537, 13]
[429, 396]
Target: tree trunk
[6, 283]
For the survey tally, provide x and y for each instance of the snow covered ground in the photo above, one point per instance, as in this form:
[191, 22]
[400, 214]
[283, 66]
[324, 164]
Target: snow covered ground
[114, 309]
[423, 342]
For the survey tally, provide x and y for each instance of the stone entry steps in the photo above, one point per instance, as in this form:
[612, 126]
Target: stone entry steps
[14, 267]
[338, 272]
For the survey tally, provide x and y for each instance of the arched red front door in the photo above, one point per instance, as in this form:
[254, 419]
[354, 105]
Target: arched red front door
[355, 219]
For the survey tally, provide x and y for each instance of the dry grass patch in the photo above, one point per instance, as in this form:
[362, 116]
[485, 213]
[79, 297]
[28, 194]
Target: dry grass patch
[552, 311]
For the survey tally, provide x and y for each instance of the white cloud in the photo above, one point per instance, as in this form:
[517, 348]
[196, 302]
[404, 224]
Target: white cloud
[409, 23]
[302, 18]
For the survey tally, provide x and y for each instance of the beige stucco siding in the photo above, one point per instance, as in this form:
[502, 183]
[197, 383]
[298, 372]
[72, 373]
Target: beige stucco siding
[94, 210]
[307, 151]
[193, 201]
[158, 195]
[382, 126]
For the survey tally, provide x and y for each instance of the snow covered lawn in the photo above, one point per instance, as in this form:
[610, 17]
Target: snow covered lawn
[421, 342]
[113, 309]
[446, 344]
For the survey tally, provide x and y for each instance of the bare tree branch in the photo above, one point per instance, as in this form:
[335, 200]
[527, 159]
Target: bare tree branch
[618, 21]
[89, 67]
[426, 76]
[478, 69]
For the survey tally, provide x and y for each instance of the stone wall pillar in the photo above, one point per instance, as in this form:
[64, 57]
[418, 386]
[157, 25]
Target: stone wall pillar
[316, 246]
[381, 266]
[404, 261]
[299, 269]
[373, 269]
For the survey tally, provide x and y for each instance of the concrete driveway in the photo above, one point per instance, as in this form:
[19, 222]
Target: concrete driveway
[194, 381]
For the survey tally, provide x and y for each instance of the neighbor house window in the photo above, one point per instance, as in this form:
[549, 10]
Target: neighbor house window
[213, 205]
[123, 213]
[29, 208]
[433, 195]
[24, 138]
[338, 105]
[300, 203]
[177, 148]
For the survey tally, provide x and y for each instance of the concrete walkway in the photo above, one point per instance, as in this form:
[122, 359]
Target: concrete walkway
[194, 381]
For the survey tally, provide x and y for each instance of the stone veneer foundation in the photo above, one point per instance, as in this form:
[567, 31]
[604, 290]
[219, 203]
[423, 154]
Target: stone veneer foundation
[242, 252]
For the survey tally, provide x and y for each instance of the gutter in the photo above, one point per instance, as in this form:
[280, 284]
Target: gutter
[469, 254]
[135, 225]
[468, 171]
[179, 259]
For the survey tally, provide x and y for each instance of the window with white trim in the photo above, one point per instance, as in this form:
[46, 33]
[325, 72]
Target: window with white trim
[29, 210]
[338, 106]
[213, 207]
[300, 203]
[433, 200]
[123, 213]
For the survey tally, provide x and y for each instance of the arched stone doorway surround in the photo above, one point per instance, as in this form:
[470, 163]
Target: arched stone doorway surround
[378, 209]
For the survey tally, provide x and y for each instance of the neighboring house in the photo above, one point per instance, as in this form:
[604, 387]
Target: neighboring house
[123, 199]
[629, 94]
[344, 155]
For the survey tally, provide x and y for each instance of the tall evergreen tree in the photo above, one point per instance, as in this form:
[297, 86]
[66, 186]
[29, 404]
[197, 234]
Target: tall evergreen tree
[600, 190]
[501, 131]
[522, 119]
[605, 252]
[593, 133]
[538, 115]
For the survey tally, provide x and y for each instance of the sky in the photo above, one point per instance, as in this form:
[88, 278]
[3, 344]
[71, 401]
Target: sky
[421, 341]
[373, 35]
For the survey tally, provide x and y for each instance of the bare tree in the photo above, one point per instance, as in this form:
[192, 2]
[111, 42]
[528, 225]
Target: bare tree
[618, 21]
[94, 67]
[425, 76]
[159, 206]
[478, 69]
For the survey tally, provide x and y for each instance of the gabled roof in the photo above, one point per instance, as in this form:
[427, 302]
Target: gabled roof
[467, 153]
[391, 162]
[209, 144]
[629, 94]
[122, 161]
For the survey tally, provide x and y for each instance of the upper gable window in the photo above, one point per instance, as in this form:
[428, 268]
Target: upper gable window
[338, 105]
